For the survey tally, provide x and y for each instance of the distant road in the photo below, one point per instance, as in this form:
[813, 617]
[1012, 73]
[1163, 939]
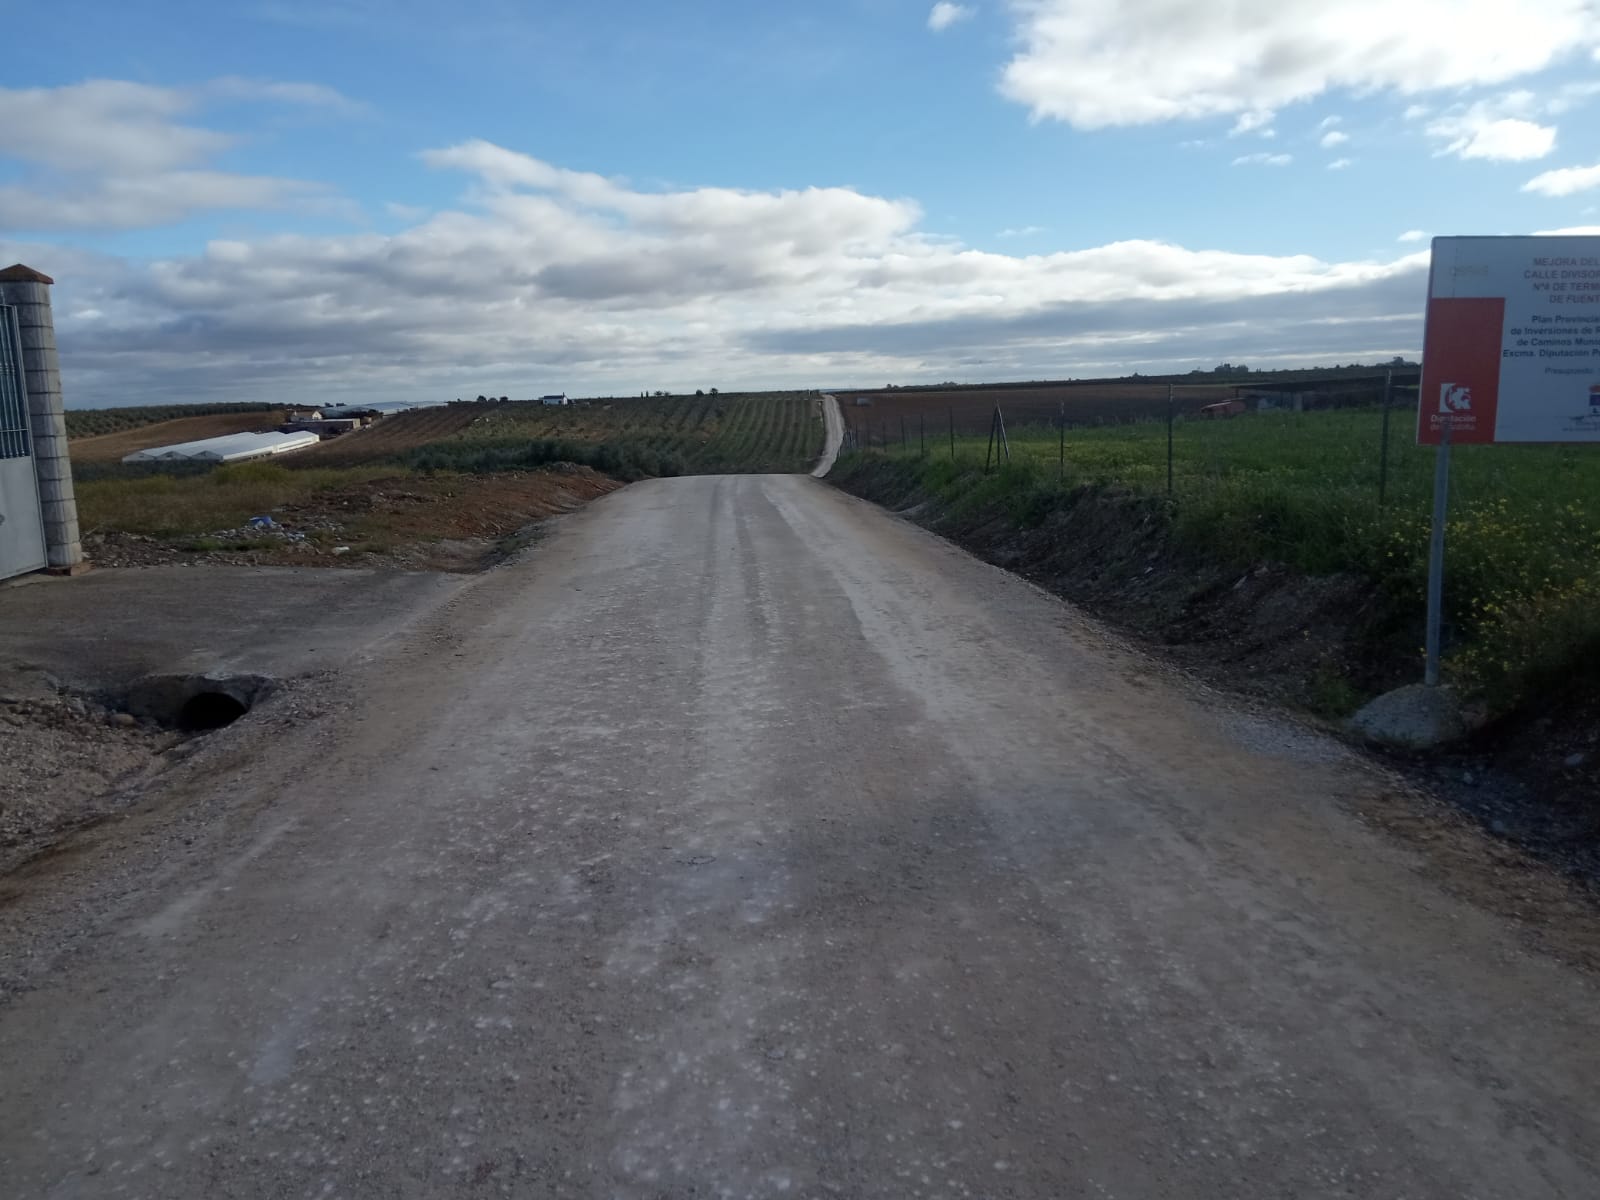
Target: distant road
[743, 840]
[834, 423]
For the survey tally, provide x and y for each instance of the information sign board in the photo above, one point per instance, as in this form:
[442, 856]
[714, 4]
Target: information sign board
[1512, 347]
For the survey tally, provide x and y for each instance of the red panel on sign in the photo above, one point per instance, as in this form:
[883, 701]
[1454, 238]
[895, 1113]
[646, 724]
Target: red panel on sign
[1461, 369]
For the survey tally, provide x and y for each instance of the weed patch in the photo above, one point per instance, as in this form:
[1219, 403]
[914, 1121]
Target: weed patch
[175, 505]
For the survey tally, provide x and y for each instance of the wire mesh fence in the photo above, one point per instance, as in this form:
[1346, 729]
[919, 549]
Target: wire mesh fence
[1324, 492]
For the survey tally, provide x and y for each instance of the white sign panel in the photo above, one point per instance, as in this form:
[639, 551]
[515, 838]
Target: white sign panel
[1512, 350]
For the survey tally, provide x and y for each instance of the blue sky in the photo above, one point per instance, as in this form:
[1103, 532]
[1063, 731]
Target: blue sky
[398, 199]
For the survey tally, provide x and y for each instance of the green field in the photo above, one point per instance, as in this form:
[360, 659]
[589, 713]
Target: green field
[1301, 489]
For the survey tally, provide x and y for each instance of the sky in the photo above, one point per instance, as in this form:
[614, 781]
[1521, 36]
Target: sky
[391, 199]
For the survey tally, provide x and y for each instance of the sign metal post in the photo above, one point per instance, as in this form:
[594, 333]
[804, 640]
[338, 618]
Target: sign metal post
[1441, 514]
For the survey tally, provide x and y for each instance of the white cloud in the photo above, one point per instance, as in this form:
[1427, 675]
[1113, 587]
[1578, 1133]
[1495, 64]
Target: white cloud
[145, 201]
[1263, 160]
[115, 155]
[1332, 138]
[1340, 164]
[1507, 140]
[551, 277]
[1564, 181]
[1412, 235]
[1571, 96]
[1200, 60]
[1329, 122]
[1252, 122]
[1570, 231]
[1497, 129]
[1025, 231]
[944, 14]
[103, 125]
[311, 95]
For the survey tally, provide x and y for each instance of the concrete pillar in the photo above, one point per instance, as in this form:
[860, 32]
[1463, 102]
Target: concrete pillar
[29, 291]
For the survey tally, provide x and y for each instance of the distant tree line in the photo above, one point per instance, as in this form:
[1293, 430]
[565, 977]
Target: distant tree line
[1219, 374]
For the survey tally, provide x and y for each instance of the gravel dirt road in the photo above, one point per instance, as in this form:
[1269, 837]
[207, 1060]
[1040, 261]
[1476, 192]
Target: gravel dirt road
[741, 840]
[833, 436]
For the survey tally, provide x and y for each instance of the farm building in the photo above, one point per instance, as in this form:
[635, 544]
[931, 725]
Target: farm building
[1306, 395]
[557, 398]
[233, 447]
[324, 427]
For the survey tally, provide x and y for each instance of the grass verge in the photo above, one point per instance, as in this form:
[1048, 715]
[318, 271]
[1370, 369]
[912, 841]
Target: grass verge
[1300, 492]
[199, 502]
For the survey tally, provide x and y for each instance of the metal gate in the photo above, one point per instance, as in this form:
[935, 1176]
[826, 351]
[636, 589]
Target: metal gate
[21, 527]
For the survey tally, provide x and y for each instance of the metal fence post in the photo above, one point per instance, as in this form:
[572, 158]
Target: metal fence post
[1383, 453]
[1169, 439]
[952, 435]
[1441, 505]
[1061, 454]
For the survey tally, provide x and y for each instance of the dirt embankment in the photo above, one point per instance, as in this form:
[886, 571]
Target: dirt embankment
[1319, 645]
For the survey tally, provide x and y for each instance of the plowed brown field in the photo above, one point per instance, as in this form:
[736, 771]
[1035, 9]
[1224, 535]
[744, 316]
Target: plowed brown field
[111, 447]
[391, 435]
[972, 408]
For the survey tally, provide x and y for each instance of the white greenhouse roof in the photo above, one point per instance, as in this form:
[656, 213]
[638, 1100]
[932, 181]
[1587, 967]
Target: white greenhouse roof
[233, 447]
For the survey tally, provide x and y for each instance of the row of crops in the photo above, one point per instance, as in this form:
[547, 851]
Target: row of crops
[630, 438]
[93, 422]
[762, 432]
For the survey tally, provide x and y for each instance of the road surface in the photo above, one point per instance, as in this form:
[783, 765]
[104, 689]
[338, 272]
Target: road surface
[742, 840]
[833, 424]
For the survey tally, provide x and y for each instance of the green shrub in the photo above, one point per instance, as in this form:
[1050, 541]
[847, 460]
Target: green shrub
[623, 459]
